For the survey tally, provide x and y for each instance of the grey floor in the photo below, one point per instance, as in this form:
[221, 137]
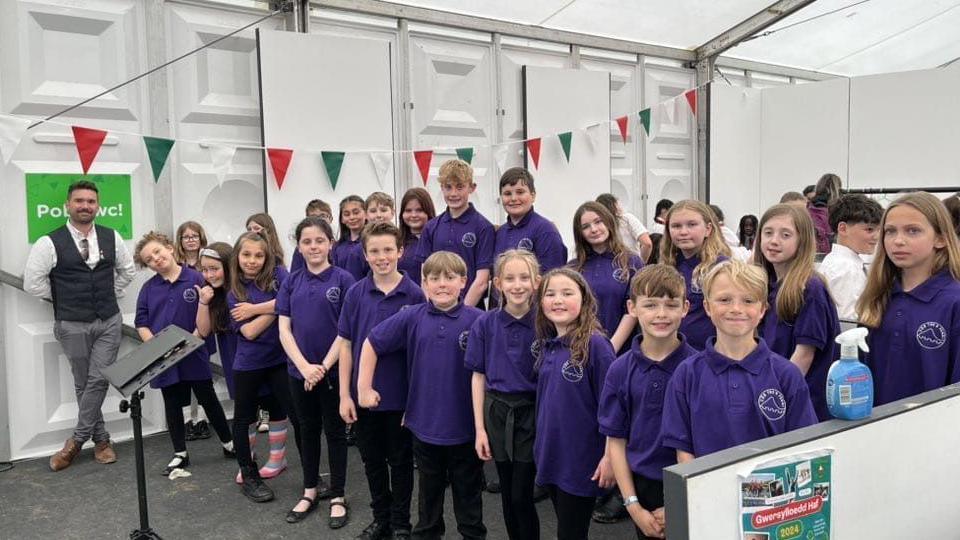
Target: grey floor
[93, 501]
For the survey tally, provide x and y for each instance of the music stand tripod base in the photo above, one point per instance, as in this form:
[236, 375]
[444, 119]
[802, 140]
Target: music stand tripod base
[131, 373]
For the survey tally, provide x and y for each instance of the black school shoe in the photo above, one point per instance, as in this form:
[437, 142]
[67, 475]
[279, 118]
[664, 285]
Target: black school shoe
[253, 487]
[611, 510]
[188, 430]
[184, 463]
[201, 430]
[400, 534]
[377, 530]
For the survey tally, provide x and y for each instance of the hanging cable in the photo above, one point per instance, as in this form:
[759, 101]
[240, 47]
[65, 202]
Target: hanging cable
[798, 23]
[281, 7]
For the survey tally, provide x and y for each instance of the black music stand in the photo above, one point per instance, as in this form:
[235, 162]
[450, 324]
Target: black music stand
[129, 375]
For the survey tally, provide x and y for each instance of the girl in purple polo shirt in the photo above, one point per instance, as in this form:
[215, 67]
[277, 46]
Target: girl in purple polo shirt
[692, 243]
[736, 390]
[309, 305]
[416, 209]
[501, 355]
[912, 300]
[259, 358]
[802, 320]
[569, 449]
[191, 238]
[608, 266]
[263, 225]
[170, 297]
[348, 253]
[631, 404]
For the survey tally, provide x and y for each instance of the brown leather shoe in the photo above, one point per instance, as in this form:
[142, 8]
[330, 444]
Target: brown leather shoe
[103, 452]
[63, 458]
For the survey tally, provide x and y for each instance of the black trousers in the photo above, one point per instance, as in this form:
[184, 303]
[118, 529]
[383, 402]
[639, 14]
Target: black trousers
[386, 450]
[573, 513]
[176, 396]
[460, 464]
[516, 496]
[318, 411]
[650, 494]
[246, 393]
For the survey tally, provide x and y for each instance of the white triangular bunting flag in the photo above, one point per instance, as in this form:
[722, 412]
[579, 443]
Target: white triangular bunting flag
[667, 108]
[11, 131]
[221, 155]
[594, 133]
[382, 162]
[500, 154]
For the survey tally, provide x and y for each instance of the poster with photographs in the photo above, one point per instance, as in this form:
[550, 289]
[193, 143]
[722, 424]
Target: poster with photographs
[787, 498]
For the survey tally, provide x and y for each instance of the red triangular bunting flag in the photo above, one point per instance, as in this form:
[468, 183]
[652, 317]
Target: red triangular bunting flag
[691, 96]
[533, 146]
[622, 124]
[279, 161]
[88, 144]
[423, 159]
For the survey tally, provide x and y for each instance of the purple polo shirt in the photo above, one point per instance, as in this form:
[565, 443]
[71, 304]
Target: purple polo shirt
[162, 303]
[631, 406]
[227, 347]
[569, 444]
[533, 233]
[501, 347]
[610, 286]
[470, 236]
[410, 263]
[313, 302]
[714, 403]
[439, 404]
[816, 324]
[697, 326]
[348, 255]
[264, 351]
[915, 349]
[364, 307]
[297, 262]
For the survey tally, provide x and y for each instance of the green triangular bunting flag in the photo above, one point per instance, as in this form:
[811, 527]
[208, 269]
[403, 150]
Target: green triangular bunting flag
[333, 161]
[645, 120]
[158, 150]
[565, 139]
[465, 154]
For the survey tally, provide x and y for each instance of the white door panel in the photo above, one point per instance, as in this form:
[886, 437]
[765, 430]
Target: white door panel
[670, 149]
[453, 98]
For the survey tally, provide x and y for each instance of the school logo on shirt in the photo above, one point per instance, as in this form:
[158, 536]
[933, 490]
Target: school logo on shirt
[462, 340]
[695, 286]
[931, 335]
[525, 243]
[190, 295]
[536, 348]
[772, 404]
[621, 275]
[572, 372]
[468, 240]
[333, 295]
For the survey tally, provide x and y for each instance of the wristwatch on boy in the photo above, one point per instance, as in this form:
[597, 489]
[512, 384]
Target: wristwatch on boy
[627, 501]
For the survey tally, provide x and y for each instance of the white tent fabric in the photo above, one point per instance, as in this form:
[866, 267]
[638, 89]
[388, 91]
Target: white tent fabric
[843, 37]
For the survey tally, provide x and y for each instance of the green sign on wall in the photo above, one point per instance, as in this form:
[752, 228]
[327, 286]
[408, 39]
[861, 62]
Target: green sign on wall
[47, 196]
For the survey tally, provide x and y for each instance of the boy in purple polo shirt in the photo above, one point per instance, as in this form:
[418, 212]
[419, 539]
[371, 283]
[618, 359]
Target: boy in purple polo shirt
[170, 297]
[631, 404]
[736, 390]
[525, 228]
[462, 230]
[384, 444]
[439, 410]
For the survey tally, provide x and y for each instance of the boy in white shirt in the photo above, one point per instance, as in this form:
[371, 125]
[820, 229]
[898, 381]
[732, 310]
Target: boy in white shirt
[856, 221]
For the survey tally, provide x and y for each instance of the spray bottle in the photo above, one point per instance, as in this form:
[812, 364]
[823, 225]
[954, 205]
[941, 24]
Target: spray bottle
[849, 382]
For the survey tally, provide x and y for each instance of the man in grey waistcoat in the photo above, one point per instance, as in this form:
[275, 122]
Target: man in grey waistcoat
[83, 267]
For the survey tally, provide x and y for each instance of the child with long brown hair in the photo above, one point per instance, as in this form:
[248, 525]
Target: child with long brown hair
[255, 280]
[912, 300]
[348, 251]
[693, 244]
[574, 357]
[802, 321]
[263, 225]
[608, 266]
[416, 209]
[191, 238]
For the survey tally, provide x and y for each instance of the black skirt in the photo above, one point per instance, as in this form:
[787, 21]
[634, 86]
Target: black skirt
[510, 420]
